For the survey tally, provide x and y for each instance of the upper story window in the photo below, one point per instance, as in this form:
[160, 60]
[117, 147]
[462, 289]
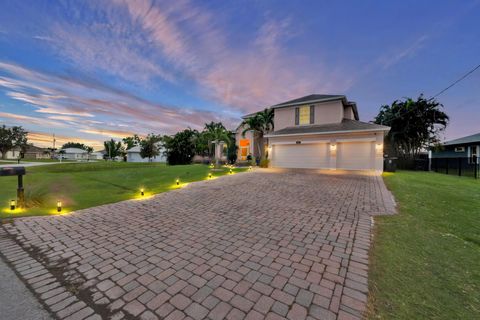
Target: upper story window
[304, 115]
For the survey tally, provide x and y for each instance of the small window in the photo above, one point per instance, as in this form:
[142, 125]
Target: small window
[304, 115]
[460, 149]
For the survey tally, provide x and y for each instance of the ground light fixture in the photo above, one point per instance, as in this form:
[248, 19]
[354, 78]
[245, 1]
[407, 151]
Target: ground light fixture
[59, 206]
[250, 168]
[177, 181]
[231, 171]
[142, 192]
[210, 175]
[12, 205]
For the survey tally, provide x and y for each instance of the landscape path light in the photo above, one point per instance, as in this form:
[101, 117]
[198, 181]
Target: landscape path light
[142, 192]
[178, 182]
[59, 206]
[209, 175]
[12, 205]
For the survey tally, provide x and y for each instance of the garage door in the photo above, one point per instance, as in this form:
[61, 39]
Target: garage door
[355, 155]
[300, 155]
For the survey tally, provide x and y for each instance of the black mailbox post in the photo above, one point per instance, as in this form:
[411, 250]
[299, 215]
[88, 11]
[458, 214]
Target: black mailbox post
[20, 172]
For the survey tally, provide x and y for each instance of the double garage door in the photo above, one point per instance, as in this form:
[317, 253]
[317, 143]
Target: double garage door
[349, 156]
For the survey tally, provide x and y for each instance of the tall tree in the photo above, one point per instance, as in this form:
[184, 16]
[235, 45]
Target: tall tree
[150, 146]
[261, 123]
[113, 148]
[77, 145]
[131, 142]
[415, 125]
[11, 138]
[180, 148]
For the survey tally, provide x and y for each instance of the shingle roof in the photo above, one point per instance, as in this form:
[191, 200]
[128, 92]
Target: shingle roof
[345, 125]
[468, 139]
[312, 97]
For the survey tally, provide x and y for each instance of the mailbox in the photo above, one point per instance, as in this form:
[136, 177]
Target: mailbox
[19, 172]
[12, 171]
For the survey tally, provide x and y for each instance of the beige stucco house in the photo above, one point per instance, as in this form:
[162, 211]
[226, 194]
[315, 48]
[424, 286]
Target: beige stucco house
[319, 132]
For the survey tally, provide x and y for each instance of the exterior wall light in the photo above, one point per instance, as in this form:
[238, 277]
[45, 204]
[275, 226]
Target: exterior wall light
[142, 192]
[12, 205]
[333, 147]
[178, 182]
[59, 206]
[379, 146]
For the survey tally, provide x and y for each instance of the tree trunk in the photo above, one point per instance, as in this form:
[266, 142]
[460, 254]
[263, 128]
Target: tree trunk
[4, 153]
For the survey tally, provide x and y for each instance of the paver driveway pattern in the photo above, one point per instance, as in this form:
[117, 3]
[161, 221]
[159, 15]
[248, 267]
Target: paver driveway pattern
[267, 244]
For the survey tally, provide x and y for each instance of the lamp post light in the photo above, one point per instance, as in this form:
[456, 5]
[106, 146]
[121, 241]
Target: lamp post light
[12, 205]
[59, 206]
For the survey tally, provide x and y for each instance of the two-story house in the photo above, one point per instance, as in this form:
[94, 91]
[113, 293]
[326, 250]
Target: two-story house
[319, 132]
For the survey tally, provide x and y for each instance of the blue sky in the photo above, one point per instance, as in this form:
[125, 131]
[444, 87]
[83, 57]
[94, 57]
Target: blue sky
[92, 70]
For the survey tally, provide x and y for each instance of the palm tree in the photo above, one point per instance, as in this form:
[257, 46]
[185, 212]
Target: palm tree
[112, 149]
[261, 123]
[216, 132]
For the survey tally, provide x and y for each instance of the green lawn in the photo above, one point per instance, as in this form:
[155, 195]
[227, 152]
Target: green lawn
[425, 261]
[83, 185]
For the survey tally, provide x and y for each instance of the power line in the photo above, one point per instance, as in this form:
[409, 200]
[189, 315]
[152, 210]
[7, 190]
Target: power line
[455, 82]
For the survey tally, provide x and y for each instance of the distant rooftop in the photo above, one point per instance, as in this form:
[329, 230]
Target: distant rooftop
[465, 140]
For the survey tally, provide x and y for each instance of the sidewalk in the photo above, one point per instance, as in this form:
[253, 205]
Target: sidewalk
[16, 301]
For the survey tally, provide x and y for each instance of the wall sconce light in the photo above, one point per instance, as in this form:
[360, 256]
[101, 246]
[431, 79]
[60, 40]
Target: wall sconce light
[379, 146]
[333, 147]
[142, 192]
[12, 205]
[59, 206]
[178, 182]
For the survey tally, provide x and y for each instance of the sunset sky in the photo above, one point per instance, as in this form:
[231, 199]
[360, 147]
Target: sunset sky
[94, 70]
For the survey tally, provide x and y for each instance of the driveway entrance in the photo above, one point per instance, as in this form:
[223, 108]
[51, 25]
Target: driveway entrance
[266, 244]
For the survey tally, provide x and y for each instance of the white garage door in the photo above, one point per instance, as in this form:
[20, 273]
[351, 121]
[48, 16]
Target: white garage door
[355, 155]
[300, 155]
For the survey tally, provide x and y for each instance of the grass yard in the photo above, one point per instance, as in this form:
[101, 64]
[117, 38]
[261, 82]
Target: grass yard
[425, 261]
[83, 185]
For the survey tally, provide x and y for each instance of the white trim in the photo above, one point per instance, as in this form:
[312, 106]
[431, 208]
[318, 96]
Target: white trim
[357, 140]
[323, 133]
[302, 142]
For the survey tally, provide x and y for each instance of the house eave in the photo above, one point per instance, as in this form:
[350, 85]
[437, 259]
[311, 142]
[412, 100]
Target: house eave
[285, 105]
[325, 133]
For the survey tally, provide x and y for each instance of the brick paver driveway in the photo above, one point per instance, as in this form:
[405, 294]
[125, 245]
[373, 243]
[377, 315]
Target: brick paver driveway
[249, 246]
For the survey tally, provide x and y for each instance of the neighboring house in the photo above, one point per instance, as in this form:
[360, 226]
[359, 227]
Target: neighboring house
[466, 147]
[31, 152]
[74, 154]
[319, 132]
[133, 155]
[97, 155]
[15, 153]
